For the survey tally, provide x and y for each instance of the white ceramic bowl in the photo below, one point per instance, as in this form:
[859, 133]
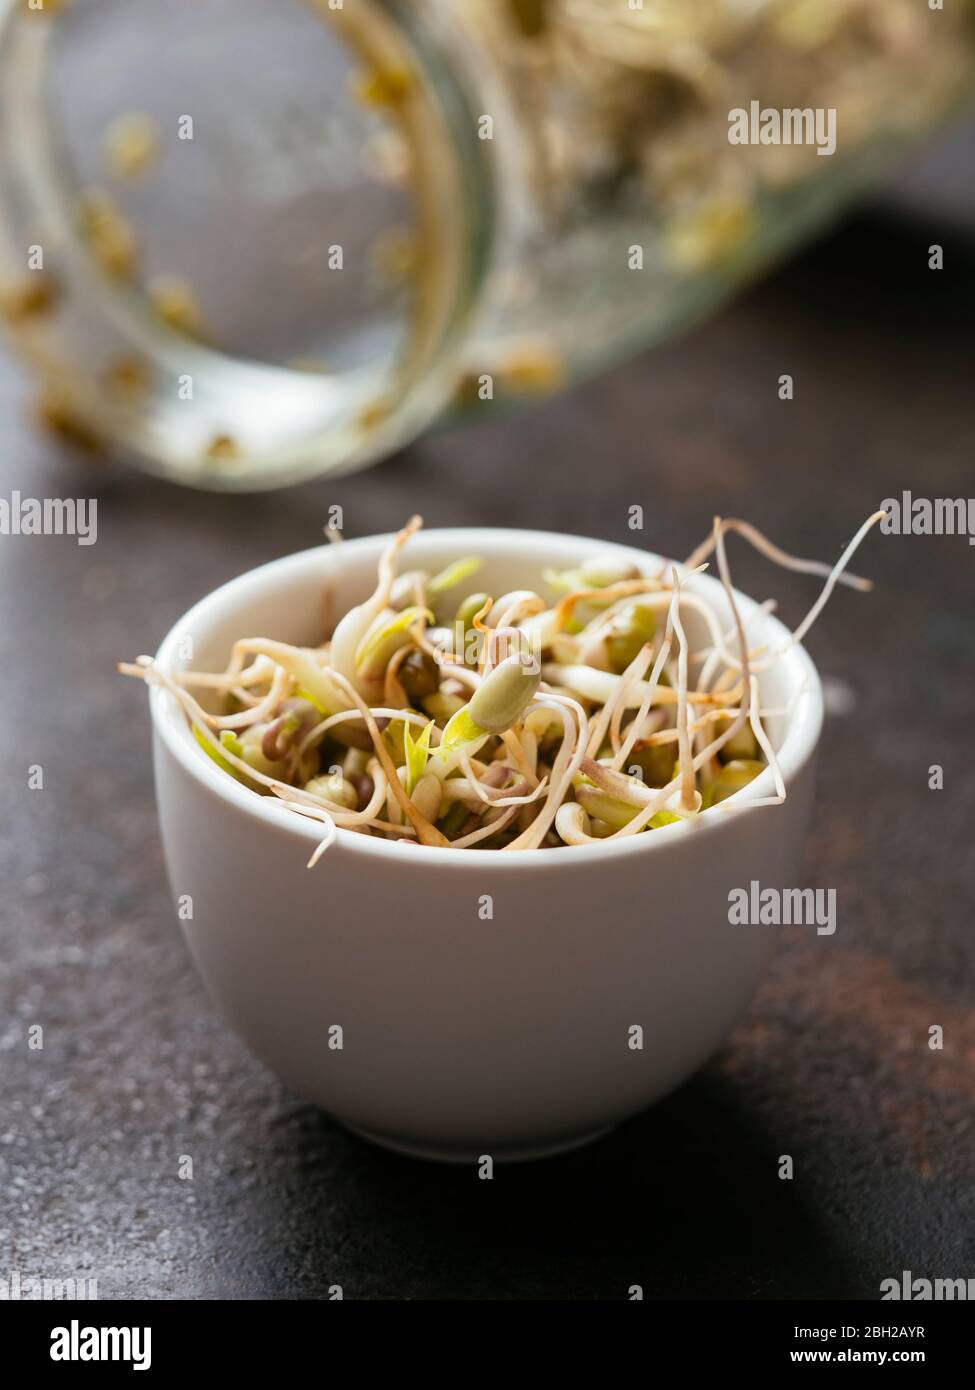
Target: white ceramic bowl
[463, 1036]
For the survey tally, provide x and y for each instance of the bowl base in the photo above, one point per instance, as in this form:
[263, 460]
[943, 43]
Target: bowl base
[446, 1153]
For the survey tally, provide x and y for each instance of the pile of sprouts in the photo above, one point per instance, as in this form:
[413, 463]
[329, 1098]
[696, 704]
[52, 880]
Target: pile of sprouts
[645, 89]
[436, 714]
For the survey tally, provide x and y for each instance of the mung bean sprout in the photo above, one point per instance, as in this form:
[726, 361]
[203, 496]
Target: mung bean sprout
[451, 717]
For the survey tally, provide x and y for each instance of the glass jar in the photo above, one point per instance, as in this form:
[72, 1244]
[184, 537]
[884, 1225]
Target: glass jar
[247, 242]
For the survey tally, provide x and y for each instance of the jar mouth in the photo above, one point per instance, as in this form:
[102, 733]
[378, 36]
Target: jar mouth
[284, 290]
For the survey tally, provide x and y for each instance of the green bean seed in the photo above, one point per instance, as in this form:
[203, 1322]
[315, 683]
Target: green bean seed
[502, 698]
[453, 818]
[355, 762]
[741, 745]
[419, 675]
[252, 751]
[470, 608]
[394, 739]
[630, 630]
[335, 788]
[442, 706]
[732, 777]
[656, 761]
[426, 796]
[599, 805]
[364, 788]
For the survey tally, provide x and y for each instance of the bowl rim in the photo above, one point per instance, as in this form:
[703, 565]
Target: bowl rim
[798, 745]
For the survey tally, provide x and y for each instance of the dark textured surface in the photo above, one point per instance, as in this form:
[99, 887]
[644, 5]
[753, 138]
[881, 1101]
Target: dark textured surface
[831, 1065]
